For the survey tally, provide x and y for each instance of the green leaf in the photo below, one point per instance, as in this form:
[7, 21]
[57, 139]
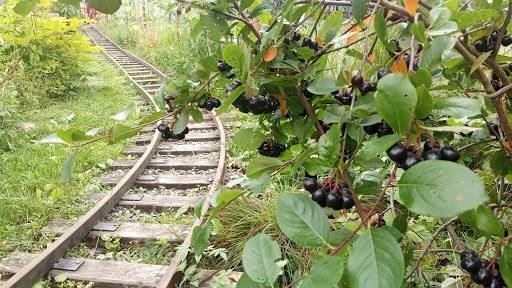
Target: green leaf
[381, 28]
[122, 116]
[359, 9]
[233, 55]
[376, 260]
[431, 57]
[376, 146]
[246, 282]
[73, 135]
[334, 113]
[67, 169]
[401, 222]
[368, 183]
[105, 6]
[302, 220]
[478, 61]
[120, 132]
[441, 189]
[506, 264]
[396, 101]
[52, 139]
[200, 237]
[181, 123]
[440, 23]
[226, 104]
[152, 117]
[500, 163]
[329, 144]
[23, 7]
[262, 165]
[419, 30]
[322, 86]
[248, 138]
[484, 220]
[259, 259]
[209, 63]
[425, 103]
[325, 273]
[421, 77]
[457, 107]
[223, 198]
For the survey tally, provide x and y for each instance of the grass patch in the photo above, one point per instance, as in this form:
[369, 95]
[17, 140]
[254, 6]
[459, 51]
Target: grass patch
[30, 192]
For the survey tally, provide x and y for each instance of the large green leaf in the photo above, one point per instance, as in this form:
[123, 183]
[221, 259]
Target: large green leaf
[181, 123]
[302, 220]
[120, 132]
[262, 165]
[376, 146]
[484, 220]
[105, 6]
[434, 50]
[246, 282]
[248, 138]
[376, 261]
[457, 107]
[200, 237]
[506, 265]
[23, 7]
[500, 163]
[396, 100]
[67, 168]
[359, 9]
[425, 102]
[329, 144]
[322, 86]
[259, 259]
[233, 55]
[325, 273]
[381, 28]
[441, 189]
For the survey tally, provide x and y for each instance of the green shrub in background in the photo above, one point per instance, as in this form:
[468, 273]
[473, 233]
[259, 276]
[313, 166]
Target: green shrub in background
[47, 53]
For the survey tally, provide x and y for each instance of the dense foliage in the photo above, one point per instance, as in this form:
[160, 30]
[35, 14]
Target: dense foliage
[398, 115]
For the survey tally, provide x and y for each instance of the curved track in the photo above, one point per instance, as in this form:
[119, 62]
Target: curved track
[172, 174]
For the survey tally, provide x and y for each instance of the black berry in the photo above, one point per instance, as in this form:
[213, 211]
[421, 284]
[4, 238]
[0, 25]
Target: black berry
[496, 283]
[482, 276]
[506, 41]
[449, 153]
[348, 201]
[470, 264]
[430, 144]
[384, 129]
[223, 66]
[334, 201]
[397, 152]
[432, 155]
[310, 184]
[296, 36]
[481, 45]
[357, 81]
[409, 161]
[319, 197]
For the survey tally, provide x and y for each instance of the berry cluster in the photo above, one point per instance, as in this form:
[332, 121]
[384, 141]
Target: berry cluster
[168, 134]
[496, 81]
[306, 42]
[381, 129]
[407, 158]
[256, 105]
[329, 193]
[210, 103]
[363, 86]
[488, 44]
[271, 149]
[480, 271]
[343, 97]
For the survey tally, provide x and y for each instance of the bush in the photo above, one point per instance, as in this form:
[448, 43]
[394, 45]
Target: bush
[47, 52]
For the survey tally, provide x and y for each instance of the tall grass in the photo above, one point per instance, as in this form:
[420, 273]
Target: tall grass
[30, 192]
[166, 44]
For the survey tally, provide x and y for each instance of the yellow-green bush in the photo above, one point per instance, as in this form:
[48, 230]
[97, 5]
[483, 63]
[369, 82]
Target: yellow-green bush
[47, 51]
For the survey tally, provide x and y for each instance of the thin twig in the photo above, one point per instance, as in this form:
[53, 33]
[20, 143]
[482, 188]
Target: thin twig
[429, 243]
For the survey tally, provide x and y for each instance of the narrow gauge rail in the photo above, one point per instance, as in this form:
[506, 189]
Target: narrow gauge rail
[168, 165]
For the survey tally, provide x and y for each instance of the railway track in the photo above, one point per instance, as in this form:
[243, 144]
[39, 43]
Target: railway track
[172, 175]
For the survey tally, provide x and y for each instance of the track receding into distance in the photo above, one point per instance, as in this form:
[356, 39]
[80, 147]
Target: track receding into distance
[161, 176]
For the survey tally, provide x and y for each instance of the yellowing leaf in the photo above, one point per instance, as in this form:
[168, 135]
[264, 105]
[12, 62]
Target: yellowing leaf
[411, 6]
[356, 29]
[400, 66]
[371, 57]
[282, 105]
[320, 41]
[270, 54]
